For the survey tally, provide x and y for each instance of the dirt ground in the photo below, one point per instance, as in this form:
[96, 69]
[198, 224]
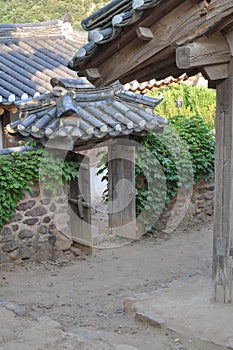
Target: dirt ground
[85, 297]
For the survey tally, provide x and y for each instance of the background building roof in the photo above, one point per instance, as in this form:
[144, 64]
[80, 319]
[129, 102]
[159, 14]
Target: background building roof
[32, 54]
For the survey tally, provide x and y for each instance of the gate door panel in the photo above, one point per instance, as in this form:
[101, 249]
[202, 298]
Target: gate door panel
[80, 203]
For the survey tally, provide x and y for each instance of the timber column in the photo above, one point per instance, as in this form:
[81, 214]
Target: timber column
[223, 225]
[213, 56]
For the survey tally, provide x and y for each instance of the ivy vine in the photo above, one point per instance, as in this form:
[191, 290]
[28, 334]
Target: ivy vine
[19, 171]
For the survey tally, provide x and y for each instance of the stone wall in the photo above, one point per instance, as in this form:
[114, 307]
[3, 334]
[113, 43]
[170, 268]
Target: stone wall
[200, 206]
[203, 200]
[39, 230]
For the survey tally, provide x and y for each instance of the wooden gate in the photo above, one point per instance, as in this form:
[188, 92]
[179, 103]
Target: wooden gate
[80, 204]
[121, 174]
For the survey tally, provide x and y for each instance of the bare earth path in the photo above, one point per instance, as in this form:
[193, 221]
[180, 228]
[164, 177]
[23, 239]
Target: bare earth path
[78, 304]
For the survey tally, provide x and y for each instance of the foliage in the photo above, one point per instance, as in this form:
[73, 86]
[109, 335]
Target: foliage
[168, 167]
[195, 101]
[200, 140]
[185, 151]
[23, 11]
[19, 171]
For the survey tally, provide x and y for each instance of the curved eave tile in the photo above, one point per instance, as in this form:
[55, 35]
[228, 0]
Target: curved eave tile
[87, 113]
[107, 23]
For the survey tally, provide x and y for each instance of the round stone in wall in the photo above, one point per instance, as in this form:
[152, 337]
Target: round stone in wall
[37, 211]
[31, 221]
[25, 234]
[26, 205]
[10, 246]
[42, 229]
[25, 253]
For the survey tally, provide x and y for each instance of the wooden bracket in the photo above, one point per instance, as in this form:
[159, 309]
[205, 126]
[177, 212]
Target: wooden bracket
[92, 74]
[213, 50]
[144, 33]
[217, 72]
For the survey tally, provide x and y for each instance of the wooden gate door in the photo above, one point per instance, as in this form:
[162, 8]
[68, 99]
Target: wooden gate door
[121, 174]
[80, 204]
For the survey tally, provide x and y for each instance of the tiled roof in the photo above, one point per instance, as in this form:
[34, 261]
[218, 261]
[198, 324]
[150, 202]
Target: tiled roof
[85, 113]
[153, 84]
[33, 53]
[107, 23]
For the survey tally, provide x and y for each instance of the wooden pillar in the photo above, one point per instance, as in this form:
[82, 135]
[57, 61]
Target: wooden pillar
[121, 191]
[223, 226]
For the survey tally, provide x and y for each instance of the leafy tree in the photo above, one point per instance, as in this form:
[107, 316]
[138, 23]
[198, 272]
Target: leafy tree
[195, 101]
[23, 11]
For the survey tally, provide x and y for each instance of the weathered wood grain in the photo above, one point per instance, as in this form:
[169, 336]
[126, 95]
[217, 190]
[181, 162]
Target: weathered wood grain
[217, 72]
[80, 215]
[223, 227]
[204, 51]
[121, 172]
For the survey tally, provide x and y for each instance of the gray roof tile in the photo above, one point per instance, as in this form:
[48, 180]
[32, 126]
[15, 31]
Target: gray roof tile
[32, 54]
[86, 113]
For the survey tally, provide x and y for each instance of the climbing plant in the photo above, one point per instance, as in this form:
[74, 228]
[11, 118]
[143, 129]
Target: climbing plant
[19, 171]
[185, 153]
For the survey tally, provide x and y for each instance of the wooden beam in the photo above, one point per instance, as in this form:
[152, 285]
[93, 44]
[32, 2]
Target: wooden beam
[205, 51]
[178, 27]
[223, 225]
[144, 33]
[148, 70]
[151, 72]
[217, 72]
[164, 59]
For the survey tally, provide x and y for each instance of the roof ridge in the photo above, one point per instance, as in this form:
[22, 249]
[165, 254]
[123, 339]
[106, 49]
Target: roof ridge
[59, 27]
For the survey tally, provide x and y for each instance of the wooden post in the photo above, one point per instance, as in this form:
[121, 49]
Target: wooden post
[223, 227]
[121, 173]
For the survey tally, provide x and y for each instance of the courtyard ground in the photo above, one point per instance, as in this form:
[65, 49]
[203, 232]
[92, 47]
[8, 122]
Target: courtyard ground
[77, 303]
